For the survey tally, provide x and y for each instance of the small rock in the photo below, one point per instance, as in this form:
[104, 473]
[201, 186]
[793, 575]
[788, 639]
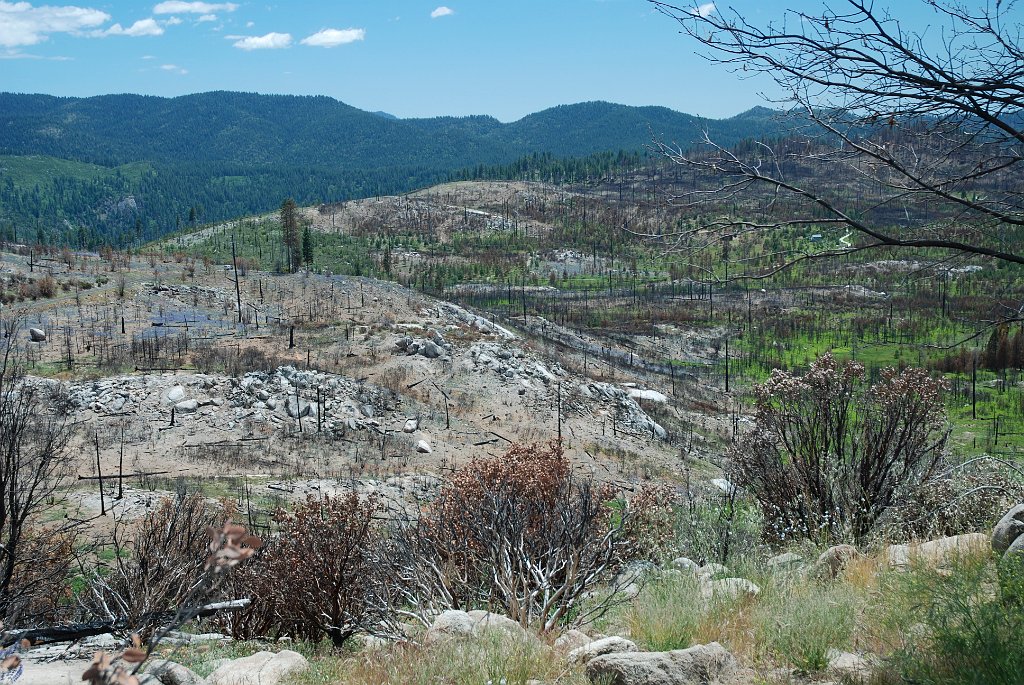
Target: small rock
[711, 569]
[834, 560]
[297, 408]
[938, 552]
[485, 621]
[571, 640]
[411, 425]
[606, 645]
[685, 564]
[186, 407]
[175, 395]
[449, 624]
[700, 664]
[170, 673]
[848, 665]
[430, 349]
[785, 561]
[1009, 528]
[262, 668]
[37, 335]
[732, 589]
[423, 447]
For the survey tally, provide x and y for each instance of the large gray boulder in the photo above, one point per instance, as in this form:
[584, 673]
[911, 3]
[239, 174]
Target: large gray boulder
[606, 645]
[430, 349]
[570, 640]
[486, 622]
[186, 407]
[449, 624]
[701, 664]
[1017, 548]
[787, 561]
[938, 553]
[298, 408]
[261, 668]
[834, 560]
[169, 673]
[1009, 529]
[37, 335]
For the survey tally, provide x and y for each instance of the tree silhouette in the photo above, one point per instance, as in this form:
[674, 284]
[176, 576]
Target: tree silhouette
[926, 121]
[290, 231]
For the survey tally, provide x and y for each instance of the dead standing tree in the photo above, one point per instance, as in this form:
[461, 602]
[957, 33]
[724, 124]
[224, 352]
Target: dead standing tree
[912, 139]
[33, 464]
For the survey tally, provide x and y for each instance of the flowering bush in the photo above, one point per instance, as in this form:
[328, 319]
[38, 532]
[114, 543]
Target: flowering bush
[830, 457]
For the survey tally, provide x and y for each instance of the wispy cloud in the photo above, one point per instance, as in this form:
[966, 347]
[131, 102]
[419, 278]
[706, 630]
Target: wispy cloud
[441, 11]
[14, 54]
[174, 68]
[704, 10]
[143, 27]
[270, 41]
[180, 7]
[330, 38]
[23, 24]
[173, 21]
[206, 17]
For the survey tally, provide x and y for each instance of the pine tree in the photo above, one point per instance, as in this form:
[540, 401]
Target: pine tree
[290, 230]
[307, 246]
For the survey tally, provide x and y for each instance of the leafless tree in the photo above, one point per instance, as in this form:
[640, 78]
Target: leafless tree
[156, 564]
[912, 138]
[33, 464]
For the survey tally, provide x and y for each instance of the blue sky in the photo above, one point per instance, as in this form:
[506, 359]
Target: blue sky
[505, 58]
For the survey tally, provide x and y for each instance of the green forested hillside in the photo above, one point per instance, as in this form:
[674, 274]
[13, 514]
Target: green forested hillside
[124, 167]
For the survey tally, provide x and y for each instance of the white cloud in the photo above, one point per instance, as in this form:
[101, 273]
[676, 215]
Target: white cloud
[173, 21]
[330, 38]
[249, 24]
[179, 7]
[206, 17]
[148, 57]
[704, 10]
[271, 41]
[441, 11]
[14, 54]
[23, 24]
[143, 27]
[174, 68]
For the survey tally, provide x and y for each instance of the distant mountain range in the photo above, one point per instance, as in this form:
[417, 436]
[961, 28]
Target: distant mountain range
[233, 153]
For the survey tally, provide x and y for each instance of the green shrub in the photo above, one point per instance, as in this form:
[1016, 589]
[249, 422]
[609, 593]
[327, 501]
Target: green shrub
[666, 614]
[801, 624]
[967, 624]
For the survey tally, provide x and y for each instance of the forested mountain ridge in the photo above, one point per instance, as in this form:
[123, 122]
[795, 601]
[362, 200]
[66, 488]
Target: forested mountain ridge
[227, 153]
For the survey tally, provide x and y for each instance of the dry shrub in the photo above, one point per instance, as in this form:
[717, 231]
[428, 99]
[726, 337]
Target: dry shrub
[39, 592]
[234, 361]
[967, 500]
[155, 565]
[830, 458]
[322, 576]
[46, 286]
[522, 535]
